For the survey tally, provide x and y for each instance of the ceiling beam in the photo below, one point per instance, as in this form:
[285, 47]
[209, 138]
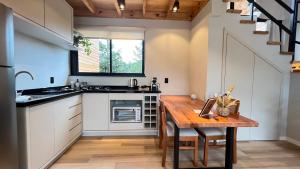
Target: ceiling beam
[117, 8]
[144, 7]
[90, 5]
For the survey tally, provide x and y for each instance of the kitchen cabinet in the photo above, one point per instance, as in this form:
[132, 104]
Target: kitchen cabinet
[59, 18]
[249, 74]
[47, 130]
[240, 58]
[30, 9]
[47, 20]
[67, 115]
[266, 101]
[41, 134]
[95, 111]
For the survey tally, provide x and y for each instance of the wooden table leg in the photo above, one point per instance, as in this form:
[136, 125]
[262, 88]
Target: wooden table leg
[176, 147]
[229, 147]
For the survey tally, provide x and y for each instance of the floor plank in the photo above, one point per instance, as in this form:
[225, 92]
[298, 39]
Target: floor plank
[143, 153]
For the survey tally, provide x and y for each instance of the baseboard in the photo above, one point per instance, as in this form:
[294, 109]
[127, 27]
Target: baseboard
[121, 133]
[61, 152]
[283, 138]
[293, 141]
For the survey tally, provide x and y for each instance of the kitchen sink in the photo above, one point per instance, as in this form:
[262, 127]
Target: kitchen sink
[25, 98]
[34, 97]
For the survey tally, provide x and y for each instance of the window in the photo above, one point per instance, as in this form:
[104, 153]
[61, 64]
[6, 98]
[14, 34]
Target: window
[108, 57]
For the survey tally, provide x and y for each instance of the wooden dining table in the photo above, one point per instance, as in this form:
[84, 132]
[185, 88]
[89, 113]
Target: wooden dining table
[182, 112]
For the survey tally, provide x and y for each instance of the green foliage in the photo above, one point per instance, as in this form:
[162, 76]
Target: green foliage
[118, 65]
[84, 42]
[104, 56]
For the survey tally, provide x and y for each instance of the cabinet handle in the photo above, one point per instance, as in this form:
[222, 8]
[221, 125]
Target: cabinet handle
[75, 126]
[74, 116]
[74, 105]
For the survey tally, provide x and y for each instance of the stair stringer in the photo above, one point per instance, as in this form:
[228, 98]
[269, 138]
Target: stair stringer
[257, 43]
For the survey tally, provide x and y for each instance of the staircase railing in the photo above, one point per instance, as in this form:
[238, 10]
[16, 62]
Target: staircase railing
[292, 31]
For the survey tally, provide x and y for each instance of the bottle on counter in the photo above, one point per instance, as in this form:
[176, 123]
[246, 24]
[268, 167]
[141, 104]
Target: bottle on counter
[77, 84]
[72, 83]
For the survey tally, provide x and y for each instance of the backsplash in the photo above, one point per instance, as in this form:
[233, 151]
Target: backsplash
[114, 81]
[42, 60]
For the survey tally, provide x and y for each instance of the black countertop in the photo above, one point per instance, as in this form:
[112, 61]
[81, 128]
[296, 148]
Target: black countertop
[46, 95]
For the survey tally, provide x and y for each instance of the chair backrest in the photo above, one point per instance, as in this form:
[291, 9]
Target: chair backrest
[163, 118]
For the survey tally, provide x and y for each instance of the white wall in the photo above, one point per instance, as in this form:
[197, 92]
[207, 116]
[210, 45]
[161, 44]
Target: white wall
[199, 52]
[166, 53]
[41, 59]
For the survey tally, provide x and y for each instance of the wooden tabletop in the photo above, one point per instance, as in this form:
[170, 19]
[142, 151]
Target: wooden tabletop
[182, 112]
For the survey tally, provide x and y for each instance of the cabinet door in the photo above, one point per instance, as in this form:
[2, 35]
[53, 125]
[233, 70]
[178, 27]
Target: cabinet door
[239, 72]
[95, 111]
[266, 100]
[41, 131]
[30, 9]
[61, 127]
[59, 18]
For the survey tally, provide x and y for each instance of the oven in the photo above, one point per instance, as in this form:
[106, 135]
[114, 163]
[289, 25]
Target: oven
[124, 114]
[126, 111]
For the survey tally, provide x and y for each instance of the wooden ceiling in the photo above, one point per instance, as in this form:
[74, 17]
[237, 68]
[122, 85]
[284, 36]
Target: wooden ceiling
[138, 9]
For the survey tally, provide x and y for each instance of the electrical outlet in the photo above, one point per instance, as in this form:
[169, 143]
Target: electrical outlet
[166, 80]
[51, 80]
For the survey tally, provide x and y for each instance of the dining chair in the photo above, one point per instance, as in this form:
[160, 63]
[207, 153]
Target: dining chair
[211, 137]
[186, 136]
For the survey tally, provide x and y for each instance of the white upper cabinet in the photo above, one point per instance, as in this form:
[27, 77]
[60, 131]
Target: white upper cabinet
[59, 18]
[29, 9]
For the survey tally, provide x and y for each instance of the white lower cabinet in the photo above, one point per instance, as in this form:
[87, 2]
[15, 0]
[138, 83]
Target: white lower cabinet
[96, 114]
[40, 135]
[96, 111]
[50, 129]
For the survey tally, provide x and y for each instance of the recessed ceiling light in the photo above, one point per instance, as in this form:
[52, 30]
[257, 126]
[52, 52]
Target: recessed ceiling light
[175, 6]
[121, 4]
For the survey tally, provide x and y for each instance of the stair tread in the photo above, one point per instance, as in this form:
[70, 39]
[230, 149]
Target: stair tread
[296, 67]
[261, 32]
[273, 43]
[286, 53]
[236, 11]
[247, 22]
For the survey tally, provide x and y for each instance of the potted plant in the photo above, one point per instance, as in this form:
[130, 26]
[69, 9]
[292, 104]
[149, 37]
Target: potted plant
[84, 42]
[224, 102]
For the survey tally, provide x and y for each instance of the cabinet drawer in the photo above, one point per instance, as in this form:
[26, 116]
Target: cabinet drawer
[73, 101]
[75, 131]
[73, 122]
[74, 111]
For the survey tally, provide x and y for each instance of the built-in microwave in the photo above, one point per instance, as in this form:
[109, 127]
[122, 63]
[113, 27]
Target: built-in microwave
[126, 114]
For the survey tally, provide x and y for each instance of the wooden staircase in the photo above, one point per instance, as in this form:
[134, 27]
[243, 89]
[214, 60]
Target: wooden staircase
[258, 32]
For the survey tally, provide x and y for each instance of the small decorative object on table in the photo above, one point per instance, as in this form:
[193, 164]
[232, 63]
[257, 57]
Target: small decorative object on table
[193, 96]
[225, 103]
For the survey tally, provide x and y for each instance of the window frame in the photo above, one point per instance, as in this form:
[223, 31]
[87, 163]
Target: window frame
[74, 65]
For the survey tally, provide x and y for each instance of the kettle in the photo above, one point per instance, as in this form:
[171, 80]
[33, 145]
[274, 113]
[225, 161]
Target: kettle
[133, 82]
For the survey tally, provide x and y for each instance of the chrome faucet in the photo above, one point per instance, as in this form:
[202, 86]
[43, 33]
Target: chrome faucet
[24, 72]
[17, 74]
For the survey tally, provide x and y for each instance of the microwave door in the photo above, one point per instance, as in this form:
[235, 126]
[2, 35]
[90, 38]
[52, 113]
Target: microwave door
[124, 115]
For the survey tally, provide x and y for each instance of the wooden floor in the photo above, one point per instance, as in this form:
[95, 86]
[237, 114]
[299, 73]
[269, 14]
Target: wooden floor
[142, 153]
